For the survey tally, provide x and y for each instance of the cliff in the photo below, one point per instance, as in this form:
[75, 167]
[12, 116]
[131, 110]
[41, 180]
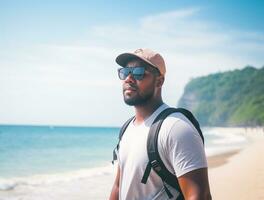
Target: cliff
[233, 98]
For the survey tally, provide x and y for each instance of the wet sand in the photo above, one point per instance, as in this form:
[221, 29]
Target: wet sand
[221, 159]
[239, 174]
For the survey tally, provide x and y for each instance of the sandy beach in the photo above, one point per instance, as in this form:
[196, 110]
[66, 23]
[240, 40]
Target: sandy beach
[236, 174]
[239, 174]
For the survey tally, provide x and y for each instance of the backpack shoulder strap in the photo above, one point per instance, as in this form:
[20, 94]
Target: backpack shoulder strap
[155, 161]
[124, 127]
[121, 133]
[191, 118]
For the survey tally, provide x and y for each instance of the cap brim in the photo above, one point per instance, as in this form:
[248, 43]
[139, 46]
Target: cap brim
[123, 58]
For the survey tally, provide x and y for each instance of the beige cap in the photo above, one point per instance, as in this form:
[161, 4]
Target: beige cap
[146, 55]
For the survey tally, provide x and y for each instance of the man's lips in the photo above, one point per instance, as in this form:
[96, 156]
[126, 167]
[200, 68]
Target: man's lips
[129, 89]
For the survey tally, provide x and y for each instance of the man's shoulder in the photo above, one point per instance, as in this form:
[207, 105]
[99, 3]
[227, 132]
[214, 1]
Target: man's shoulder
[178, 140]
[179, 128]
[178, 120]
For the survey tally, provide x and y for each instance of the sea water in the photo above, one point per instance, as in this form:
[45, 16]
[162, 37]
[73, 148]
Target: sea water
[31, 150]
[37, 155]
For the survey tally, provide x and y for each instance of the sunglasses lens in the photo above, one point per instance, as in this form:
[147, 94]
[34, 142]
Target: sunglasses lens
[138, 73]
[123, 73]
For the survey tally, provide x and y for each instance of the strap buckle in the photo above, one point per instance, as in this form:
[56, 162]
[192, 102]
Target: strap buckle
[155, 165]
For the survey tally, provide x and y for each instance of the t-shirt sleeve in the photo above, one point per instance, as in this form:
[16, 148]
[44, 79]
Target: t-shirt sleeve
[182, 147]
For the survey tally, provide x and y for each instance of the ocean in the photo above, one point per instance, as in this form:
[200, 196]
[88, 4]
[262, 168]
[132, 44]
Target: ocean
[30, 150]
[37, 155]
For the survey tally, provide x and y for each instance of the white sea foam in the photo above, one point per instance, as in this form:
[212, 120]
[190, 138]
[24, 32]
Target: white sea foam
[83, 184]
[224, 139]
[45, 179]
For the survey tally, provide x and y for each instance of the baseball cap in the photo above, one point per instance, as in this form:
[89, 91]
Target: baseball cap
[146, 55]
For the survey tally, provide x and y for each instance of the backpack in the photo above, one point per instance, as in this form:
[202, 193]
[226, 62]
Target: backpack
[155, 161]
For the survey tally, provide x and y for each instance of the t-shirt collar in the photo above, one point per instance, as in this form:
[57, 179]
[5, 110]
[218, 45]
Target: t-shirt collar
[148, 121]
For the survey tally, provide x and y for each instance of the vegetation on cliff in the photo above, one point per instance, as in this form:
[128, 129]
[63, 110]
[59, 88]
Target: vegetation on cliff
[233, 98]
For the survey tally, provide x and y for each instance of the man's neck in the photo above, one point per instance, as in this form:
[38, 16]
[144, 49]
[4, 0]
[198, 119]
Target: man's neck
[144, 111]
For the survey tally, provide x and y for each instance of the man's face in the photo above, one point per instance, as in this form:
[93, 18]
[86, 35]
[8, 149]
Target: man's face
[138, 92]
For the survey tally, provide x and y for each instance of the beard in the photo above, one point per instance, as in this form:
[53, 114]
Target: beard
[138, 99]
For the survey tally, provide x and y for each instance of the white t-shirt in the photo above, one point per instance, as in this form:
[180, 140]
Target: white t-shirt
[180, 147]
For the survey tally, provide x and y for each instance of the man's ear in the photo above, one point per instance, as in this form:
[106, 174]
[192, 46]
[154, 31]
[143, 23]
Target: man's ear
[159, 81]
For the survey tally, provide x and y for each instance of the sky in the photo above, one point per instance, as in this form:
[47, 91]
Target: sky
[57, 58]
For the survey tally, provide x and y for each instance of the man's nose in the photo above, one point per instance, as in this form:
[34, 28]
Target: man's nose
[130, 78]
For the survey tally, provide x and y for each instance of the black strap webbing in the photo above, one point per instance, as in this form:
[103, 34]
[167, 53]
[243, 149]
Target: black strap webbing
[155, 161]
[152, 148]
[121, 132]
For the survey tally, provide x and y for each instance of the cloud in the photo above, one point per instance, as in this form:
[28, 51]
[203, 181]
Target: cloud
[82, 73]
[183, 32]
[191, 45]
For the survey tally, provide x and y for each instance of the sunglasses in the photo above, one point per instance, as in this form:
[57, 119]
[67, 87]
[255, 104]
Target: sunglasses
[136, 72]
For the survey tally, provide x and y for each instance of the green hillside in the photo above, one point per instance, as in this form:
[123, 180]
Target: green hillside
[233, 98]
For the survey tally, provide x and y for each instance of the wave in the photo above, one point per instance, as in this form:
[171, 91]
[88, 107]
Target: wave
[7, 184]
[221, 140]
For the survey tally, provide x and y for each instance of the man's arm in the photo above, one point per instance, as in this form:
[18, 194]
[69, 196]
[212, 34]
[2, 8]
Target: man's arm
[115, 190]
[195, 185]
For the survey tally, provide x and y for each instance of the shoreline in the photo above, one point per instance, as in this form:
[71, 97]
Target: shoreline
[233, 174]
[239, 174]
[221, 159]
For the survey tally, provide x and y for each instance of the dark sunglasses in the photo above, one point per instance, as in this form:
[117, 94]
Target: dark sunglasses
[136, 72]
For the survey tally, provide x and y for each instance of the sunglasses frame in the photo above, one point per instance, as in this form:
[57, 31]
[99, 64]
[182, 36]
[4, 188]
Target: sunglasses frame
[130, 71]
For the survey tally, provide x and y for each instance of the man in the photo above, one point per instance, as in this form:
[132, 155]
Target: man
[179, 143]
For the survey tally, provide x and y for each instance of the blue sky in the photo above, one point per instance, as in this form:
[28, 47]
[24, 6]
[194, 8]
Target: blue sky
[57, 57]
